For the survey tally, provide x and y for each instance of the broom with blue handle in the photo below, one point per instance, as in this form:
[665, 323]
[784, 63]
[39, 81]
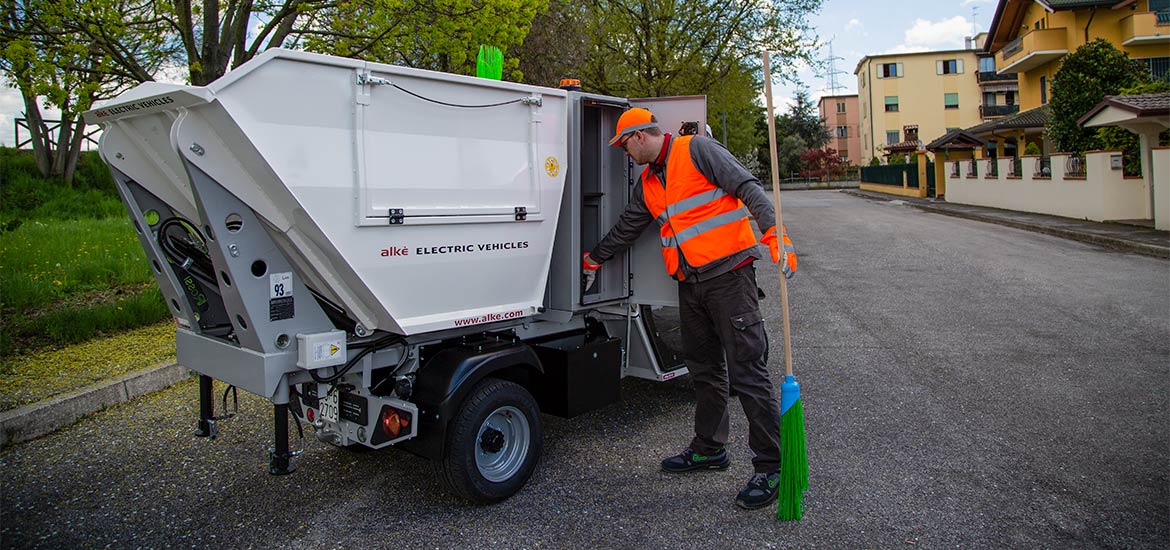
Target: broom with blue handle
[793, 452]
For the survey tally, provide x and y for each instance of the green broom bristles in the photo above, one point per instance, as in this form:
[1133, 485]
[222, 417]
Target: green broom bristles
[794, 456]
[490, 63]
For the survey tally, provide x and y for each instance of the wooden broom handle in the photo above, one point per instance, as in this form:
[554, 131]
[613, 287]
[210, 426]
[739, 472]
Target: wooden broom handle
[779, 221]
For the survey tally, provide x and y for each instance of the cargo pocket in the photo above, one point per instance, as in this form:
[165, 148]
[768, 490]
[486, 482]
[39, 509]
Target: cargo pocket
[749, 335]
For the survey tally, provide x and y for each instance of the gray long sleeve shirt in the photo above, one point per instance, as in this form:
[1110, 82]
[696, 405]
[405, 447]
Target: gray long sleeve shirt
[720, 167]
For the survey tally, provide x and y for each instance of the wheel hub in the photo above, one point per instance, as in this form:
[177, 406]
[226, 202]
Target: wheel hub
[492, 440]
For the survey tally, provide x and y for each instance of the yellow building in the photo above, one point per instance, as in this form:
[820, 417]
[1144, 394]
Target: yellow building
[931, 91]
[1030, 37]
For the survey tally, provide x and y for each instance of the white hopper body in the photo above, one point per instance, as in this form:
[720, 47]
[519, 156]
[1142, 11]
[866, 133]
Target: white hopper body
[411, 215]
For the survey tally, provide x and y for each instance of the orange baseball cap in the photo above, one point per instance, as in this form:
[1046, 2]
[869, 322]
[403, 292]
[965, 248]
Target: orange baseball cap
[631, 121]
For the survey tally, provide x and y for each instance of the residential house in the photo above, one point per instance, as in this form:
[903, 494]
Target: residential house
[1000, 92]
[841, 116]
[1031, 37]
[931, 92]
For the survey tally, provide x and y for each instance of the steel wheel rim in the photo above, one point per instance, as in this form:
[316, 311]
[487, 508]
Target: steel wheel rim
[512, 425]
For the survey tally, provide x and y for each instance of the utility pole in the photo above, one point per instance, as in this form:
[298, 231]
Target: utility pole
[834, 85]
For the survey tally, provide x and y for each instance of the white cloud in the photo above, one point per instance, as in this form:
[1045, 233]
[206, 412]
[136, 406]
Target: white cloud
[925, 36]
[937, 35]
[969, 2]
[854, 25]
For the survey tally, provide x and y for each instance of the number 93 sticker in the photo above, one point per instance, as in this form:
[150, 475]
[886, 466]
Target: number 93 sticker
[280, 285]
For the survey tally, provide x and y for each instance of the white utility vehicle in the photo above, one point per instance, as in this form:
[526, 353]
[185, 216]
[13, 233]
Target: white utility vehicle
[394, 253]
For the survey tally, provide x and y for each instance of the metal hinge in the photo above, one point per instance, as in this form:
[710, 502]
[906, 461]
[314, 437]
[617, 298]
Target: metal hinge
[539, 102]
[521, 213]
[367, 78]
[397, 216]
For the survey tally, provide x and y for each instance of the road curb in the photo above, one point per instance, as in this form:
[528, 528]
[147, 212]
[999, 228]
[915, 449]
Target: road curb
[1100, 240]
[32, 421]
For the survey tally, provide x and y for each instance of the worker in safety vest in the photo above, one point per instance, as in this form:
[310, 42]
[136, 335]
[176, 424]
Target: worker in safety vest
[696, 191]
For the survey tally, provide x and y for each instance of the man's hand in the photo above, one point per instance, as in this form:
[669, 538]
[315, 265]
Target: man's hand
[589, 271]
[789, 265]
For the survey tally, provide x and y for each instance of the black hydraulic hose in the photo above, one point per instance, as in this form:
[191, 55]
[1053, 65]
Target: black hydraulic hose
[185, 254]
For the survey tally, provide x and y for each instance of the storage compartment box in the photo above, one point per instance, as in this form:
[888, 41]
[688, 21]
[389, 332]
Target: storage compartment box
[580, 375]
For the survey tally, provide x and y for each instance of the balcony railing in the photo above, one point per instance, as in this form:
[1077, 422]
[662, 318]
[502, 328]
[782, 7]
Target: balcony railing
[1074, 166]
[1043, 168]
[1145, 28]
[992, 76]
[1035, 48]
[1014, 47]
[988, 111]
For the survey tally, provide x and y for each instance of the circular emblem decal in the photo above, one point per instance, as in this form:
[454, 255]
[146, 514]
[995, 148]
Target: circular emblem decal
[552, 167]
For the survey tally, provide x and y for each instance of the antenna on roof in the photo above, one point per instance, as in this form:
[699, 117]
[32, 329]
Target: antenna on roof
[974, 23]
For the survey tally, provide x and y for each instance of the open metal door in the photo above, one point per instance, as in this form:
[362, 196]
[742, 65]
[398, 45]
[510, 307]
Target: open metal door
[650, 285]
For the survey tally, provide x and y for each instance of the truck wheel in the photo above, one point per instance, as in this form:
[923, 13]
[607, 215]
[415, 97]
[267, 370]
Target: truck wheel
[493, 443]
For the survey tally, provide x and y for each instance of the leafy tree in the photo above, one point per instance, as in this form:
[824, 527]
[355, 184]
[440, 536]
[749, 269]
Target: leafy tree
[875, 161]
[797, 131]
[803, 121]
[1113, 138]
[1032, 148]
[47, 53]
[555, 47]
[440, 35]
[821, 163]
[637, 49]
[1085, 77]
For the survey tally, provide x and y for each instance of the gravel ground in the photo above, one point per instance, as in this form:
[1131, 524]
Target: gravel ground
[964, 385]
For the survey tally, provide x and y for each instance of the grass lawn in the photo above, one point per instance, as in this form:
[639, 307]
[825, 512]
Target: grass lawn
[63, 282]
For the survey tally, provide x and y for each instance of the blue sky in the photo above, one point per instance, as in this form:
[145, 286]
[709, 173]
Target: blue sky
[865, 27]
[856, 28]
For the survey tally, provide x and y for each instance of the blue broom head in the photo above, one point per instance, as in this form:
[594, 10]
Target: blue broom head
[789, 394]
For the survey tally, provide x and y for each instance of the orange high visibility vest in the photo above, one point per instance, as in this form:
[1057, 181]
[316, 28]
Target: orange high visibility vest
[698, 221]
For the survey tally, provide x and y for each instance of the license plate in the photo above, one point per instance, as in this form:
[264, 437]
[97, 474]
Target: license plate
[328, 400]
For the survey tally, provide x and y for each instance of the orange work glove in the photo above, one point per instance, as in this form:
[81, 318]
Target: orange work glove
[789, 265]
[589, 271]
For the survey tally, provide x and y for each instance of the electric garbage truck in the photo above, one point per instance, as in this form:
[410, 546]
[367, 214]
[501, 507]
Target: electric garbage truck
[393, 255]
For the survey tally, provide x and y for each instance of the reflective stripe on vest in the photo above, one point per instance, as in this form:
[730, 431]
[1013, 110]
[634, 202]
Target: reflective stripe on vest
[694, 216]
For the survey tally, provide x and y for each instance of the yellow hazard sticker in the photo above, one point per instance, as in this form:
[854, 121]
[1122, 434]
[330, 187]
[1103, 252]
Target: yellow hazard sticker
[552, 167]
[333, 350]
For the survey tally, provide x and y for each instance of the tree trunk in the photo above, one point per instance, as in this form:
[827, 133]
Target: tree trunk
[37, 131]
[61, 154]
[74, 152]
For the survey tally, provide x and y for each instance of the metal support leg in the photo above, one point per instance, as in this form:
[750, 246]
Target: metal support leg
[203, 429]
[278, 457]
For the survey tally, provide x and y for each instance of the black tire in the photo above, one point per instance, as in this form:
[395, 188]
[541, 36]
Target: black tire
[459, 469]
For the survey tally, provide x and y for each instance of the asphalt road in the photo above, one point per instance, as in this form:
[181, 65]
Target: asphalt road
[964, 385]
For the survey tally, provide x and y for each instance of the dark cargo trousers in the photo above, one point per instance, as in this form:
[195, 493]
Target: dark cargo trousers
[721, 319]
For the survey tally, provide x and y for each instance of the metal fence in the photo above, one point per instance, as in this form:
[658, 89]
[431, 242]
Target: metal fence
[1074, 166]
[1016, 168]
[992, 170]
[891, 174]
[1043, 168]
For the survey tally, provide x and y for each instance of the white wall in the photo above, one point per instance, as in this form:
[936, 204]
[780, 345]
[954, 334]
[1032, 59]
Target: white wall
[1162, 188]
[1103, 194]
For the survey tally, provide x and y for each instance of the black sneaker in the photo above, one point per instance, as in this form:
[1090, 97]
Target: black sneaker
[761, 490]
[690, 461]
